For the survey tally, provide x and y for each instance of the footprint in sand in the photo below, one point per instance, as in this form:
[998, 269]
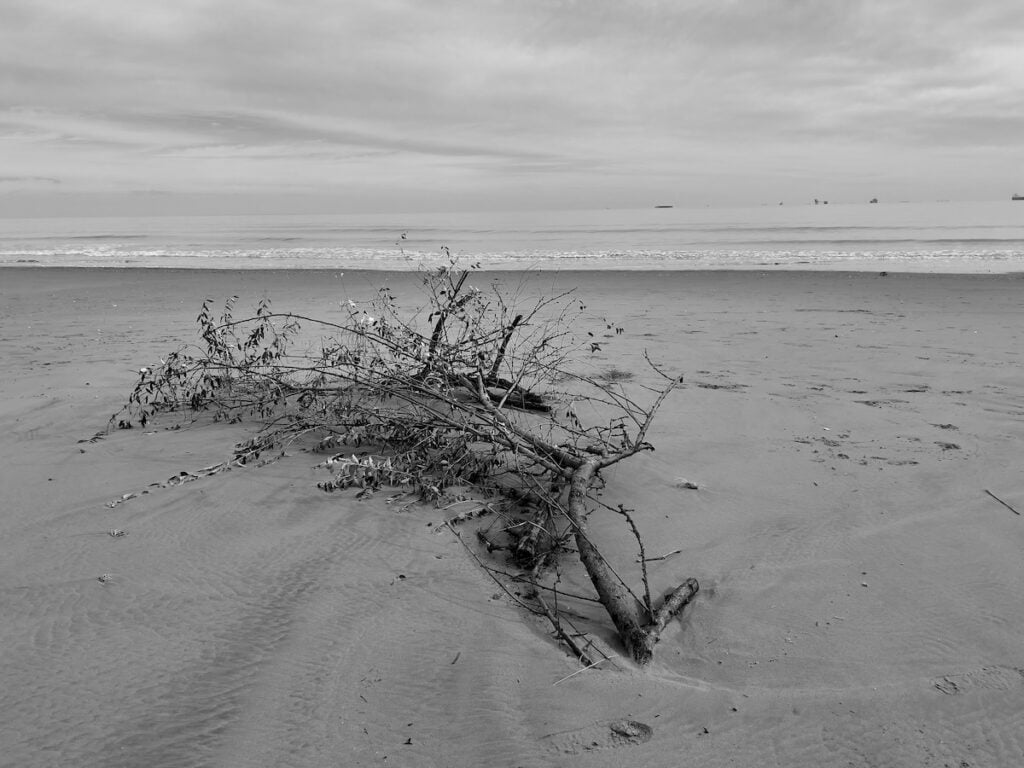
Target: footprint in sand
[618, 733]
[993, 678]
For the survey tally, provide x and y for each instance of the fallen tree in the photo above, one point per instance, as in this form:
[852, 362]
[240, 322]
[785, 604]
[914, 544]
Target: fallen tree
[480, 393]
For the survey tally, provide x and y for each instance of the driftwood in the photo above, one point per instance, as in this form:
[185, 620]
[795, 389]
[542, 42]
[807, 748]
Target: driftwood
[638, 629]
[441, 411]
[639, 626]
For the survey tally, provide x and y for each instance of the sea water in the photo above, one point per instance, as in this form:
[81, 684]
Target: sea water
[922, 237]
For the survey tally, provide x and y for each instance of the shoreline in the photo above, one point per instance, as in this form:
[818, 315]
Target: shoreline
[543, 270]
[569, 266]
[963, 237]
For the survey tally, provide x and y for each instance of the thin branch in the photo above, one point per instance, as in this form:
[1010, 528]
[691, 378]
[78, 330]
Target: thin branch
[638, 442]
[578, 671]
[493, 374]
[569, 640]
[1002, 502]
[643, 561]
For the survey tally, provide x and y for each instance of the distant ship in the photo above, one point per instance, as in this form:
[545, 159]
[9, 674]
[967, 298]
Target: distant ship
[663, 206]
[1017, 197]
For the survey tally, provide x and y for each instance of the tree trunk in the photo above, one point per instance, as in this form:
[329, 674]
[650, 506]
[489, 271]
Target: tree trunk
[638, 630]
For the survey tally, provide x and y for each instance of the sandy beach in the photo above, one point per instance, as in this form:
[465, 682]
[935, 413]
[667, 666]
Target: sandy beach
[862, 596]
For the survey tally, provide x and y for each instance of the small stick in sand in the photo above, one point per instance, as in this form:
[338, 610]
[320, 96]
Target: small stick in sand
[590, 666]
[666, 556]
[1001, 502]
[581, 654]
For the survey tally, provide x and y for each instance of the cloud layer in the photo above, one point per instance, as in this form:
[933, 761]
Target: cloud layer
[458, 104]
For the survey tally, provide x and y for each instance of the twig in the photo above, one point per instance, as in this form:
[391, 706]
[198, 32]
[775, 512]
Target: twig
[480, 511]
[567, 617]
[435, 337]
[666, 556]
[569, 640]
[1001, 502]
[487, 570]
[643, 561]
[180, 479]
[504, 346]
[535, 585]
[590, 666]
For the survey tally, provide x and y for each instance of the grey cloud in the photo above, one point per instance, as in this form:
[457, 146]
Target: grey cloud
[29, 180]
[547, 87]
[216, 129]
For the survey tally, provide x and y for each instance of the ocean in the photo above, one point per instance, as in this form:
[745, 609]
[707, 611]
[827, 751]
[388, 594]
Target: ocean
[978, 237]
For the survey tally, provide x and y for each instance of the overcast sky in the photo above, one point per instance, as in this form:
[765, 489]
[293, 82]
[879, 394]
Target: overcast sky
[136, 106]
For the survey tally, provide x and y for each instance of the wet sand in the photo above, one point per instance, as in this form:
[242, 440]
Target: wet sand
[862, 595]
